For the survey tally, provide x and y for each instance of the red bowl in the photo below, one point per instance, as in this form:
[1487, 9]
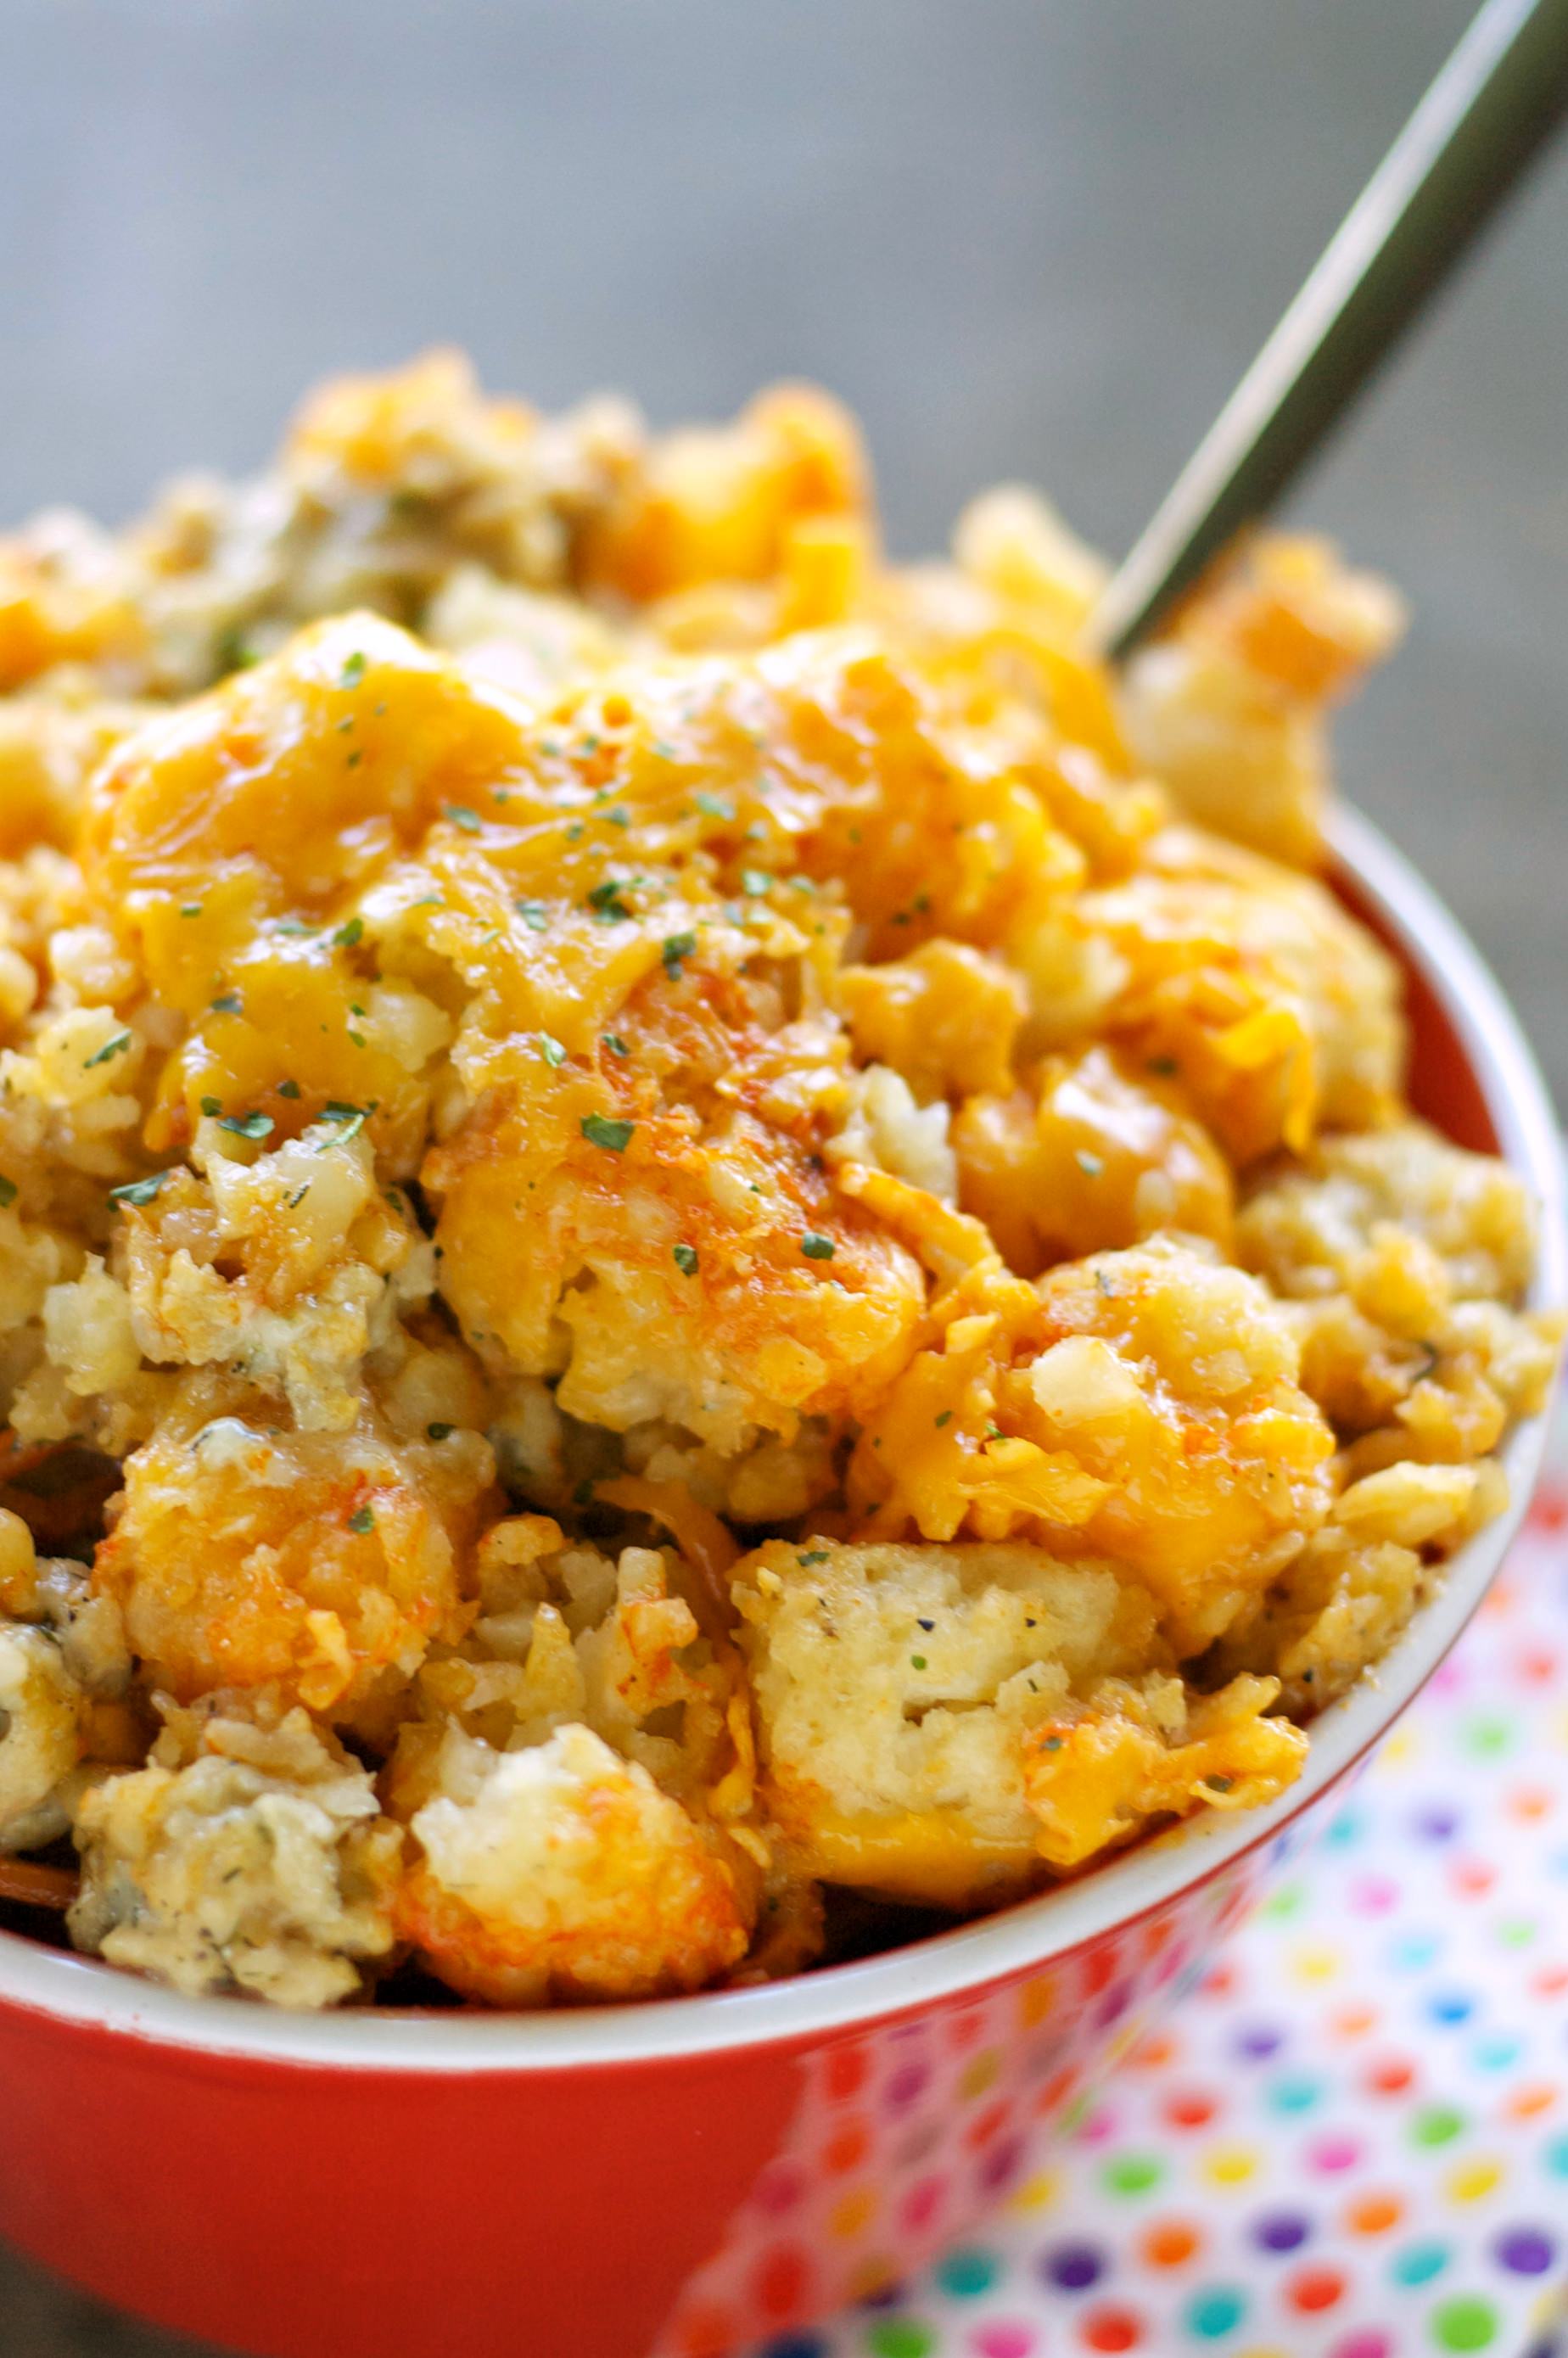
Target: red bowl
[688, 2176]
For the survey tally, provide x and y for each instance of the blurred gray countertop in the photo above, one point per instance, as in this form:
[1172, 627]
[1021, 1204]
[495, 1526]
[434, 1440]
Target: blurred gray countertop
[1033, 239]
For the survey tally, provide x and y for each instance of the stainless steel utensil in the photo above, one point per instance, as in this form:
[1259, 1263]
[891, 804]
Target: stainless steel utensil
[1492, 107]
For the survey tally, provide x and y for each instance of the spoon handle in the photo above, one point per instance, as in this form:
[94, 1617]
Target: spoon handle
[1493, 105]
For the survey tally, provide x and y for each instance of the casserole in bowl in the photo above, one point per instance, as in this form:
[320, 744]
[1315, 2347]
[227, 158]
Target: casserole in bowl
[351, 2185]
[705, 1257]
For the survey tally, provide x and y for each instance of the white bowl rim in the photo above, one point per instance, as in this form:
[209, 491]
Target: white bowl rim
[1036, 1932]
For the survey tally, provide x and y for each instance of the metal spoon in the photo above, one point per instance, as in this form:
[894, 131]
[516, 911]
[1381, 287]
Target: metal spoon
[1490, 109]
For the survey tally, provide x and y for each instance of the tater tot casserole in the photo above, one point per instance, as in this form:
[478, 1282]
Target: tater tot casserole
[703, 1246]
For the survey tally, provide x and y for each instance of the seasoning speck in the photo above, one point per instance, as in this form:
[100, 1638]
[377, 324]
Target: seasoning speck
[115, 1046]
[139, 1191]
[600, 1130]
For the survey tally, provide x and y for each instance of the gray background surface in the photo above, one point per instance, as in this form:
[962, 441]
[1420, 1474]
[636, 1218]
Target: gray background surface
[1035, 238]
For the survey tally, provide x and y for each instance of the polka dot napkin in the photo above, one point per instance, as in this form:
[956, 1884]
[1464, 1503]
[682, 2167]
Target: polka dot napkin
[1351, 2139]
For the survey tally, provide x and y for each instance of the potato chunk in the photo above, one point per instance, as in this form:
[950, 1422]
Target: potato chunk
[1095, 1154]
[247, 1556]
[1227, 705]
[1097, 1775]
[895, 1687]
[1406, 1256]
[41, 1736]
[1274, 1009]
[946, 1019]
[941, 1724]
[1142, 1405]
[562, 1871]
[247, 1858]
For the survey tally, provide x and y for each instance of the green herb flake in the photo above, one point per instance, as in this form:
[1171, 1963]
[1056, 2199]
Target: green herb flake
[211, 1107]
[294, 928]
[606, 902]
[551, 1050]
[1161, 1065]
[619, 816]
[191, 909]
[353, 671]
[139, 1191]
[8, 1193]
[676, 948]
[441, 1432]
[288, 1089]
[945, 1418]
[534, 915]
[756, 881]
[715, 806]
[363, 1520]
[349, 1120]
[816, 1248]
[231, 650]
[1050, 1744]
[811, 1555]
[685, 1259]
[616, 1045]
[462, 816]
[1219, 1784]
[248, 1125]
[600, 1130]
[1091, 1165]
[349, 936]
[227, 1003]
[917, 1661]
[114, 1046]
